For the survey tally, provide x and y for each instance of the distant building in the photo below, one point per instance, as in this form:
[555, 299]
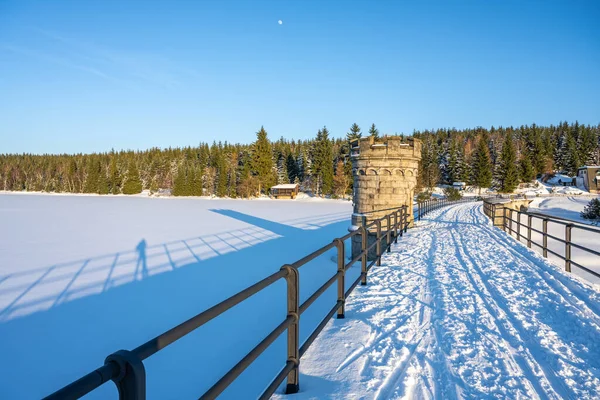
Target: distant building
[589, 178]
[459, 185]
[285, 191]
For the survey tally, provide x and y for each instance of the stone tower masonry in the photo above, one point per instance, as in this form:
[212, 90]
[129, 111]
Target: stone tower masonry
[385, 176]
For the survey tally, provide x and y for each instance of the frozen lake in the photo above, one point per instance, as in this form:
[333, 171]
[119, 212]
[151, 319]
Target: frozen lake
[84, 276]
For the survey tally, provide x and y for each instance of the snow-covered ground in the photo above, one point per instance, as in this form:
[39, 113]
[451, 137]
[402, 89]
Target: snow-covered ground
[460, 311]
[568, 207]
[84, 276]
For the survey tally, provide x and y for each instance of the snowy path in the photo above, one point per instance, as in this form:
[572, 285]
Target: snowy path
[460, 311]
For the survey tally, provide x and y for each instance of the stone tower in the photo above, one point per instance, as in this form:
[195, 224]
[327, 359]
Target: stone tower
[385, 176]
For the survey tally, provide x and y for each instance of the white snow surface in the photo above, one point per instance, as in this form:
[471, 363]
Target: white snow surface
[568, 207]
[459, 310]
[84, 276]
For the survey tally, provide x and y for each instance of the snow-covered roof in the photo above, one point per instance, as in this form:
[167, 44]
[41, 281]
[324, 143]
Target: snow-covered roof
[589, 166]
[459, 184]
[285, 186]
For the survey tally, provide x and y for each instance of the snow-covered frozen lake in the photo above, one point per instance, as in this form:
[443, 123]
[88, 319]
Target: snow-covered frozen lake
[84, 276]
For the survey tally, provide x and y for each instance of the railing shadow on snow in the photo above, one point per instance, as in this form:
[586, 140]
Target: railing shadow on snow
[39, 289]
[198, 273]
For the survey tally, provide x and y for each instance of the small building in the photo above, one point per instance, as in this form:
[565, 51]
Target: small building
[589, 178]
[285, 191]
[459, 185]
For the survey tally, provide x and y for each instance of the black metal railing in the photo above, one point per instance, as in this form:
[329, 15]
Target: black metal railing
[427, 206]
[126, 367]
[503, 218]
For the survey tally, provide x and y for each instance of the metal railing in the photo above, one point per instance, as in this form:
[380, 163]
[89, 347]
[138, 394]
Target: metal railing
[126, 367]
[507, 221]
[427, 206]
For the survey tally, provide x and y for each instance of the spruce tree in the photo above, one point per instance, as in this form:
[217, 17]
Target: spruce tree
[133, 184]
[115, 177]
[93, 175]
[508, 172]
[262, 161]
[374, 132]
[354, 133]
[527, 170]
[482, 165]
[323, 162]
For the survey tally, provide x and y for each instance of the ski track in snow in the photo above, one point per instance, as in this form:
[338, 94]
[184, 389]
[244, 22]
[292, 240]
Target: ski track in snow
[457, 310]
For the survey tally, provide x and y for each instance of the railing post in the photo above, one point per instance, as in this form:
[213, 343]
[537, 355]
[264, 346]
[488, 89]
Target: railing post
[405, 219]
[545, 237]
[131, 381]
[378, 246]
[339, 244]
[396, 226]
[518, 226]
[568, 247]
[419, 214]
[529, 219]
[293, 338]
[388, 235]
[504, 224]
[510, 221]
[363, 264]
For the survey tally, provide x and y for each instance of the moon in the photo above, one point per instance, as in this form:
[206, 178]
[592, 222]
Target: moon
[280, 22]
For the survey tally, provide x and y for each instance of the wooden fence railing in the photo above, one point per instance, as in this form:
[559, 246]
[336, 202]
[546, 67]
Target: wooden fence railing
[507, 222]
[126, 367]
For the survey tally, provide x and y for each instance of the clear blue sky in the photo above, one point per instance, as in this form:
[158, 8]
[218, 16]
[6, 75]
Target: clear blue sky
[83, 76]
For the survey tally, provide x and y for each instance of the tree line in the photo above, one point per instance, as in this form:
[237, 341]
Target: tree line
[502, 157]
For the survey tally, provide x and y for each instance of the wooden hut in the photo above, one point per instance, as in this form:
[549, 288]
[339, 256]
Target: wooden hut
[285, 191]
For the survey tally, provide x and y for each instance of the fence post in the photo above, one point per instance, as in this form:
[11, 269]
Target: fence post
[568, 247]
[339, 244]
[529, 218]
[363, 264]
[388, 235]
[293, 338]
[510, 222]
[545, 237]
[378, 247]
[518, 226]
[396, 226]
[419, 214]
[131, 381]
[504, 224]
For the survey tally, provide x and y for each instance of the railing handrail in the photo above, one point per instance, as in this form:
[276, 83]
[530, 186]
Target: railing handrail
[126, 368]
[507, 226]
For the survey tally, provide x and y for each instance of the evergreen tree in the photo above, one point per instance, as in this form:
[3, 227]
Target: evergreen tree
[262, 161]
[571, 156]
[115, 177]
[323, 162]
[481, 167]
[354, 133]
[527, 170]
[340, 180]
[292, 167]
[282, 171]
[508, 171]
[374, 132]
[132, 184]
[93, 175]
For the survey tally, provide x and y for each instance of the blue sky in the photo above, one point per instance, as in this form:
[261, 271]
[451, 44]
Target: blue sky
[83, 76]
